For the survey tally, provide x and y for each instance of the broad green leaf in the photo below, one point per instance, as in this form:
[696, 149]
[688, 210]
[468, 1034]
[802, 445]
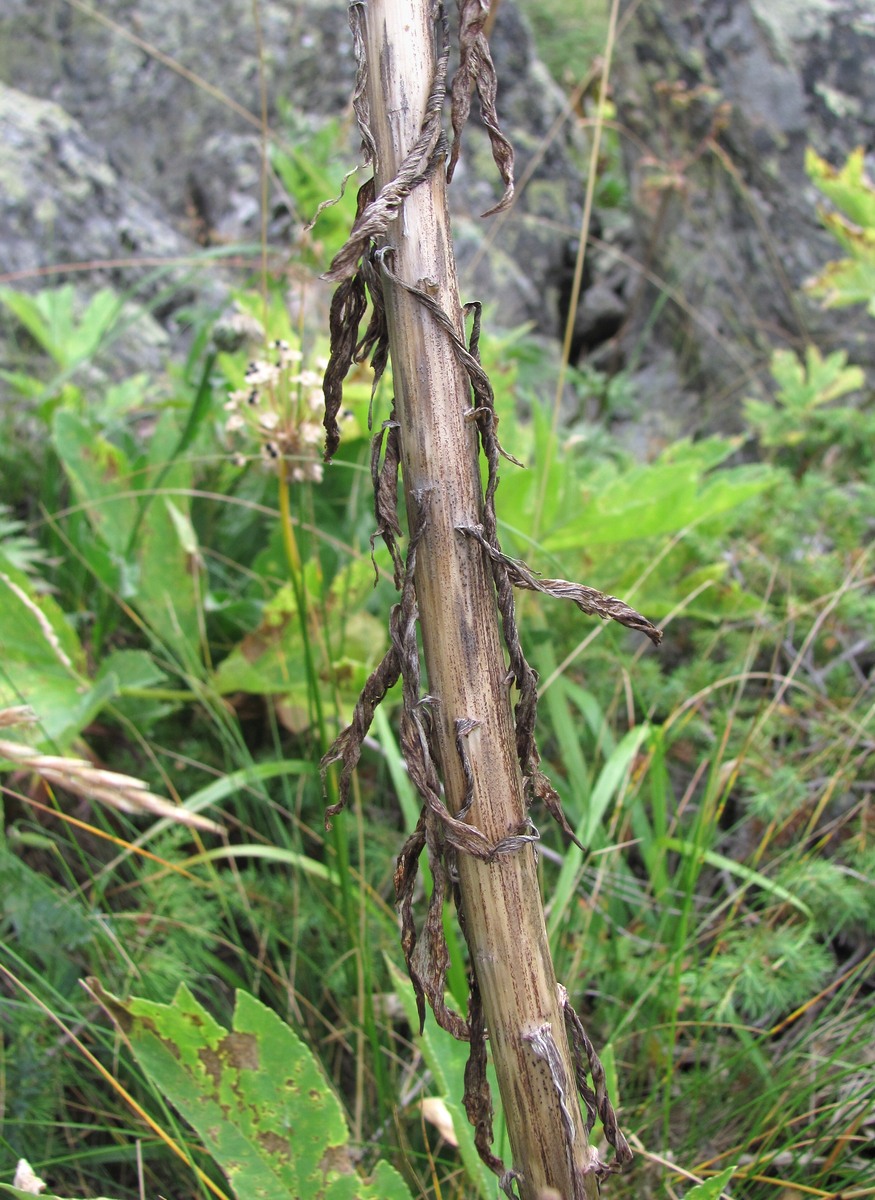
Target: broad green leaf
[703, 455]
[42, 663]
[150, 541]
[100, 474]
[126, 397]
[271, 659]
[660, 498]
[446, 1059]
[169, 578]
[144, 693]
[165, 549]
[255, 1095]
[132, 668]
[711, 1188]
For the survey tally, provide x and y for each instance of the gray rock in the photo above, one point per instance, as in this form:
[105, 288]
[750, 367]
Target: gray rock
[172, 93]
[66, 215]
[737, 237]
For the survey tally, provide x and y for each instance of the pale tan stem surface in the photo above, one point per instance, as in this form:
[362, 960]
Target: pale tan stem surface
[463, 651]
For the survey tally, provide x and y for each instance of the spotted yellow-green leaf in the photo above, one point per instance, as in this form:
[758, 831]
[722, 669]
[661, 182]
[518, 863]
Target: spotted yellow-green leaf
[256, 1096]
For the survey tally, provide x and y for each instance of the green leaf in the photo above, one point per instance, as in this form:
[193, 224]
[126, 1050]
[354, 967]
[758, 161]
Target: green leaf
[849, 188]
[818, 381]
[165, 548]
[658, 498]
[271, 661]
[137, 674]
[228, 785]
[848, 280]
[722, 863]
[255, 1095]
[18, 546]
[101, 477]
[41, 662]
[711, 1188]
[24, 385]
[132, 668]
[50, 319]
[167, 590]
[609, 782]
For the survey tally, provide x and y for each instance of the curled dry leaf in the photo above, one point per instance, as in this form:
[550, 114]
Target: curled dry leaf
[476, 68]
[587, 599]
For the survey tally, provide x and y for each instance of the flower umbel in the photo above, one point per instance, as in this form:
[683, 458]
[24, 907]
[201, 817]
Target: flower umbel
[278, 408]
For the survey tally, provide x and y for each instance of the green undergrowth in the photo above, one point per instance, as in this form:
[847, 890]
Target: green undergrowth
[174, 609]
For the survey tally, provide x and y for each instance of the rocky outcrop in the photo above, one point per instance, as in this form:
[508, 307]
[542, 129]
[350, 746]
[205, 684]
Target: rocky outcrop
[721, 100]
[135, 135]
[66, 214]
[169, 96]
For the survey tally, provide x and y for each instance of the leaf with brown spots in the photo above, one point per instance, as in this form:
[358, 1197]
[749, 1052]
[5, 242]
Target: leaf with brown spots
[255, 1094]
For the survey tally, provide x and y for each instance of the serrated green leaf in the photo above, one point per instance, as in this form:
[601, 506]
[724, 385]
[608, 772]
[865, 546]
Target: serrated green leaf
[850, 280]
[818, 381]
[255, 1095]
[845, 282]
[657, 499]
[50, 318]
[849, 188]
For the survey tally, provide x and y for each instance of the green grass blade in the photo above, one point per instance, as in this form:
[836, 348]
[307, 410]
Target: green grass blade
[749, 876]
[607, 785]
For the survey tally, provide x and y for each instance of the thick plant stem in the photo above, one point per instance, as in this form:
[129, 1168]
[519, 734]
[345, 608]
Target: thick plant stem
[464, 657]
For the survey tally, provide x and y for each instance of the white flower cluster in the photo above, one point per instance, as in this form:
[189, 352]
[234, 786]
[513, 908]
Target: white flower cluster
[278, 409]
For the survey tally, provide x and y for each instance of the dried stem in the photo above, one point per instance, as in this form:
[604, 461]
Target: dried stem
[456, 583]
